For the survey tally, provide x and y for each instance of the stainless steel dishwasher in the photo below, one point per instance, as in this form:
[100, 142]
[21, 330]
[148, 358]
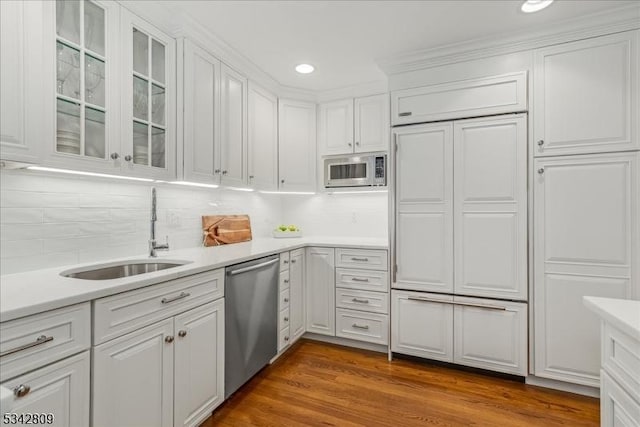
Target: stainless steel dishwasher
[251, 319]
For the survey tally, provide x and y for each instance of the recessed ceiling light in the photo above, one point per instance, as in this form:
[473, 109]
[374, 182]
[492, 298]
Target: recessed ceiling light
[535, 5]
[305, 68]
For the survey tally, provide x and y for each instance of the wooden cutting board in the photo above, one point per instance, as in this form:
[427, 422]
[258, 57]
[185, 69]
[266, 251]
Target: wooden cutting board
[226, 229]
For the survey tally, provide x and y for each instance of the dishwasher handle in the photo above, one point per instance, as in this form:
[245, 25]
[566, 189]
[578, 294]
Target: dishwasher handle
[251, 268]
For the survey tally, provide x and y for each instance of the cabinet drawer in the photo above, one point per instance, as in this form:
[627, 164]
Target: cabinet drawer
[284, 300]
[119, 314]
[283, 338]
[374, 302]
[621, 359]
[61, 389]
[284, 261]
[490, 334]
[367, 280]
[66, 331]
[367, 259]
[284, 280]
[283, 319]
[361, 326]
[617, 407]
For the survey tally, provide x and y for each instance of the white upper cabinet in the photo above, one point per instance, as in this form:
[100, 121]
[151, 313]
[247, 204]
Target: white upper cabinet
[586, 96]
[20, 80]
[263, 139]
[587, 242]
[148, 99]
[354, 126]
[82, 103]
[199, 121]
[335, 127]
[424, 207]
[460, 99]
[297, 145]
[233, 126]
[490, 207]
[371, 125]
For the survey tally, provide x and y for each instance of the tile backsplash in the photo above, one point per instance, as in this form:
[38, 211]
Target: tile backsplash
[49, 220]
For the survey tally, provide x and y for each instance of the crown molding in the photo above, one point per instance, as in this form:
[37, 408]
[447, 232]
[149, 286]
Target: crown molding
[612, 21]
[363, 89]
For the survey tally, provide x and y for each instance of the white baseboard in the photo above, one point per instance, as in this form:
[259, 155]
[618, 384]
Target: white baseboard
[563, 386]
[347, 342]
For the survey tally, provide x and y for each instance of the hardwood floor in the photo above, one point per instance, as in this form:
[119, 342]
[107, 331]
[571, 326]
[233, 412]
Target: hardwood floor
[319, 384]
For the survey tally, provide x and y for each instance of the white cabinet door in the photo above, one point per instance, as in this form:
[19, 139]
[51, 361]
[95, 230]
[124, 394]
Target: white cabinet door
[422, 325]
[586, 96]
[20, 82]
[490, 335]
[586, 243]
[490, 207]
[320, 291]
[424, 207]
[263, 139]
[617, 407]
[199, 363]
[199, 117]
[133, 379]
[296, 294]
[297, 145]
[148, 99]
[61, 389]
[372, 123]
[233, 118]
[335, 127]
[82, 104]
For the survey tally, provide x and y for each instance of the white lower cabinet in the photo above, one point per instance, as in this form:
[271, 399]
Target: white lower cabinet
[61, 389]
[422, 325]
[170, 373]
[482, 333]
[320, 291]
[362, 326]
[296, 294]
[617, 407]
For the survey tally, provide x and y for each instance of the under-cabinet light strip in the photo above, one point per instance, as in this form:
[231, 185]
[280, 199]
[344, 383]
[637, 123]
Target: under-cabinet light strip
[100, 175]
[288, 192]
[191, 184]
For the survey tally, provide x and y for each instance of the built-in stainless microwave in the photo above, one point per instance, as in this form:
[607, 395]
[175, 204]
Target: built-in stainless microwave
[368, 170]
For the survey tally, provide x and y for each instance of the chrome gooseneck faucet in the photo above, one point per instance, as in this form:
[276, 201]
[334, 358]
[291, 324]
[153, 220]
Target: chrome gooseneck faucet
[153, 247]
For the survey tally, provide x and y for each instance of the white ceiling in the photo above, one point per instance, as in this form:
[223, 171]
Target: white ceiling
[342, 39]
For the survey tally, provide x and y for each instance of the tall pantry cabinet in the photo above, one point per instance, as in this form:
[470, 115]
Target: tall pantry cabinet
[586, 196]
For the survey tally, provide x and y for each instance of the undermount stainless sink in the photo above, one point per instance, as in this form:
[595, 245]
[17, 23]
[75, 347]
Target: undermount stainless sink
[117, 271]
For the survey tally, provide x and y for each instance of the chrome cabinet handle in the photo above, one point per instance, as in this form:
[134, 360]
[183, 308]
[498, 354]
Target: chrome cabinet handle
[182, 333]
[464, 304]
[114, 156]
[176, 298]
[286, 300]
[541, 171]
[250, 176]
[128, 158]
[286, 319]
[359, 259]
[286, 338]
[39, 341]
[357, 279]
[21, 391]
[361, 301]
[286, 261]
[540, 143]
[405, 114]
[168, 339]
[286, 280]
[251, 268]
[355, 325]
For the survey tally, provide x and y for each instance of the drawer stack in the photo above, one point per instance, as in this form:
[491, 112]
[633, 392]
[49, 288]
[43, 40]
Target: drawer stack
[283, 302]
[362, 295]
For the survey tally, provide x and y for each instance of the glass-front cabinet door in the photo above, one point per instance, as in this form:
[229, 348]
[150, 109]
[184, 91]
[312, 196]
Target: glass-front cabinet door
[83, 41]
[148, 101]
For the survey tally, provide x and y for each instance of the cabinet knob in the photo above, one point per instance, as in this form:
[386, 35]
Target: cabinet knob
[114, 156]
[282, 181]
[250, 176]
[22, 390]
[350, 144]
[286, 280]
[293, 261]
[128, 158]
[217, 171]
[286, 338]
[357, 143]
[168, 339]
[286, 300]
[540, 143]
[285, 261]
[182, 334]
[286, 319]
[224, 172]
[541, 171]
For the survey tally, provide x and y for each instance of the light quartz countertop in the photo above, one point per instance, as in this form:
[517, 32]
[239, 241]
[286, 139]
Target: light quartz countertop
[620, 313]
[23, 294]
